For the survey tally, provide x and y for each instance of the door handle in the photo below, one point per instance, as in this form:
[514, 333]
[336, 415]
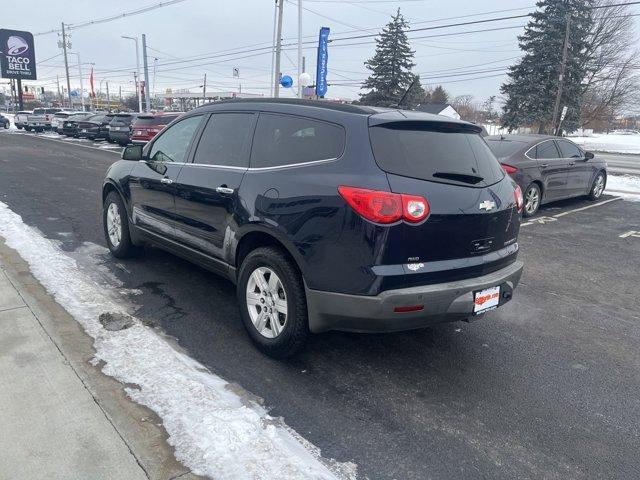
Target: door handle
[544, 165]
[224, 190]
[166, 181]
[571, 164]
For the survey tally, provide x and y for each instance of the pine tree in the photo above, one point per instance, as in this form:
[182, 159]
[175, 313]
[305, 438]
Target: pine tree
[391, 68]
[533, 81]
[439, 95]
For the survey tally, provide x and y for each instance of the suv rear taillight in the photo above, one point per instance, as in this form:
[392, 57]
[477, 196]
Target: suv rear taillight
[508, 168]
[517, 193]
[385, 207]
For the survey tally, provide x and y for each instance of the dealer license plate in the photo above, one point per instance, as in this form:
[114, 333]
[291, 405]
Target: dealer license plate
[84, 130]
[485, 300]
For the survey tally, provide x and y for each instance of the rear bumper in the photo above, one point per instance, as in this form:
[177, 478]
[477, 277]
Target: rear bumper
[118, 136]
[445, 302]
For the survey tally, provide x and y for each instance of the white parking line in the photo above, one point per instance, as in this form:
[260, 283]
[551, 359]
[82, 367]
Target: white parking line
[534, 221]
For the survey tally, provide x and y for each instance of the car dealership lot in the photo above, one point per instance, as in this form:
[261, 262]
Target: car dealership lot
[547, 387]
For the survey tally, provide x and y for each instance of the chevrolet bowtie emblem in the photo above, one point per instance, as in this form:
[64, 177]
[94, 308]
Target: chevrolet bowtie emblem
[487, 205]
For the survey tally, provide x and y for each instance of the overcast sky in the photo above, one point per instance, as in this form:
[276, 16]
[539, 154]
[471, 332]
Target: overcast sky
[198, 28]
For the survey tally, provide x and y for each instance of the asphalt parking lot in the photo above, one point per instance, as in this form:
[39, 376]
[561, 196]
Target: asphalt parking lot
[546, 387]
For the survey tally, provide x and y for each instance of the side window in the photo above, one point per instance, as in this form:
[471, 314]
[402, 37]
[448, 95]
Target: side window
[173, 144]
[226, 140]
[286, 140]
[569, 150]
[546, 150]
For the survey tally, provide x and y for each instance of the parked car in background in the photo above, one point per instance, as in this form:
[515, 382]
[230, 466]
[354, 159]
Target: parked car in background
[40, 119]
[20, 118]
[58, 119]
[94, 127]
[120, 128]
[4, 122]
[326, 216]
[549, 168]
[70, 125]
[146, 127]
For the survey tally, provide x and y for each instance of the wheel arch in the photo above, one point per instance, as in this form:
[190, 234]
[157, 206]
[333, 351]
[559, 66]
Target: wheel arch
[261, 237]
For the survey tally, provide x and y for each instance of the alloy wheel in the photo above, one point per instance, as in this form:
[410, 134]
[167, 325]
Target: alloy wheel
[267, 302]
[532, 200]
[598, 186]
[114, 225]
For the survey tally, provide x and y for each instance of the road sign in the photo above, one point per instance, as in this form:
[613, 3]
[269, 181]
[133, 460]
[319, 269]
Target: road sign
[564, 113]
[17, 57]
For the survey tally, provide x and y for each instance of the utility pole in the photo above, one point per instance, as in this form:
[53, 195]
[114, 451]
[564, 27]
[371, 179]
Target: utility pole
[135, 81]
[276, 92]
[108, 100]
[66, 64]
[146, 73]
[299, 48]
[204, 88]
[563, 66]
[58, 85]
[273, 49]
[120, 93]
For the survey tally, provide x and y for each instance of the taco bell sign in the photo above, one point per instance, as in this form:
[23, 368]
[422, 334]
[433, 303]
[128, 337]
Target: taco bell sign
[323, 57]
[17, 55]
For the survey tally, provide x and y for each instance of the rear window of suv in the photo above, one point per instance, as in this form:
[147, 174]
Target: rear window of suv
[159, 120]
[439, 152]
[282, 140]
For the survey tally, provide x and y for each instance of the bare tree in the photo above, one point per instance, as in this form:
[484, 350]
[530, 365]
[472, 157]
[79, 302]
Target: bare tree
[611, 84]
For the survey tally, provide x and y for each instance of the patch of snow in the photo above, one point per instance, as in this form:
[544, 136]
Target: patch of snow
[216, 430]
[625, 186]
[612, 143]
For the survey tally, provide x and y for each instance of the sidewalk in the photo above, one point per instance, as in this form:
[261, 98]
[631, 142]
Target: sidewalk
[59, 416]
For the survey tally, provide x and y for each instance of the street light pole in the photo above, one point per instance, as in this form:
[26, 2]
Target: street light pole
[135, 39]
[147, 97]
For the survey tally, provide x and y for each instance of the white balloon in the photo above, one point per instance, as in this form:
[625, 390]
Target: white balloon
[305, 79]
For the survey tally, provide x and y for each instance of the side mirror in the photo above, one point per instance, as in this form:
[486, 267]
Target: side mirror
[588, 155]
[132, 152]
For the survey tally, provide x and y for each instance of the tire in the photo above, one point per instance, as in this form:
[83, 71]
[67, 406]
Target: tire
[532, 198]
[27, 129]
[293, 325]
[6, 125]
[598, 186]
[19, 127]
[123, 248]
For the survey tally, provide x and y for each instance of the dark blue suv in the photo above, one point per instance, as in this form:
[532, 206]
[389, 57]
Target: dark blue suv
[326, 216]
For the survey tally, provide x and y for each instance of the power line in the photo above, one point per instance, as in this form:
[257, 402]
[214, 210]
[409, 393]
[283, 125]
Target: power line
[111, 18]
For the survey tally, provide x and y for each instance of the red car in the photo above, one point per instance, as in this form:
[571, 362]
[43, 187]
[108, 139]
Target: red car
[146, 127]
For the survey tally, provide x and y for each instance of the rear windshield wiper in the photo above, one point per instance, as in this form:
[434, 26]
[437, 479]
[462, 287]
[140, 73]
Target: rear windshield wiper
[460, 177]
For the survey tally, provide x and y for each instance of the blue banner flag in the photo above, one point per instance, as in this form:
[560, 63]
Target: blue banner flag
[323, 57]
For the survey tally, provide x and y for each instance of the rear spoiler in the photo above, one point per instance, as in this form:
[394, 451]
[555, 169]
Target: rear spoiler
[428, 125]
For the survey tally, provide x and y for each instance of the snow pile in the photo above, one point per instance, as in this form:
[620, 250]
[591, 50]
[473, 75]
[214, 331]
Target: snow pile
[214, 430]
[613, 142]
[625, 186]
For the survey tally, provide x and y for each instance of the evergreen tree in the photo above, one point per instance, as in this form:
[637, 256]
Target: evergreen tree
[391, 69]
[533, 81]
[439, 95]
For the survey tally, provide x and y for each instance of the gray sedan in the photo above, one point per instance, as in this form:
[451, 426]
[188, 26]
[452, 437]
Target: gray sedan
[549, 168]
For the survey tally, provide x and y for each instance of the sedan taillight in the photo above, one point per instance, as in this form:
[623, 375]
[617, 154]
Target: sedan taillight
[385, 207]
[508, 168]
[517, 194]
